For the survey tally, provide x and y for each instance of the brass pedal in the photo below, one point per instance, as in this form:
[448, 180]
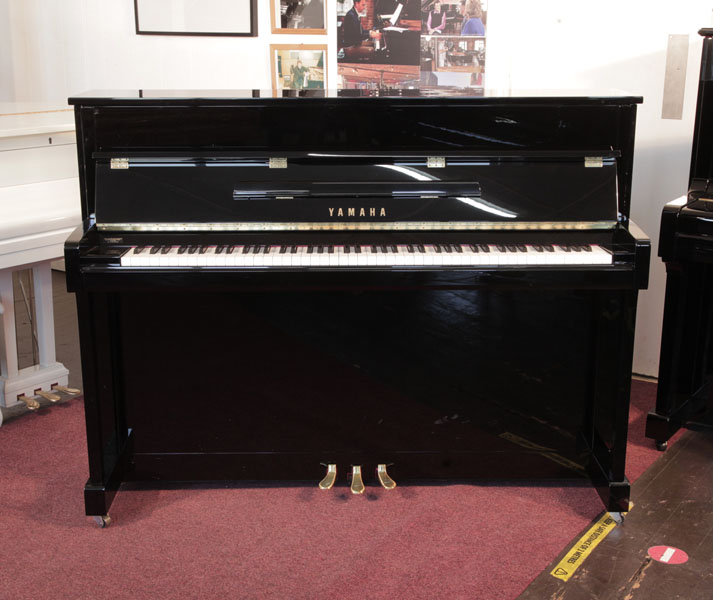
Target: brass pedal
[48, 396]
[67, 390]
[357, 482]
[386, 482]
[329, 478]
[30, 403]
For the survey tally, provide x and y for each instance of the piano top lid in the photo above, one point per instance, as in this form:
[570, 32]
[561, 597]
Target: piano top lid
[470, 95]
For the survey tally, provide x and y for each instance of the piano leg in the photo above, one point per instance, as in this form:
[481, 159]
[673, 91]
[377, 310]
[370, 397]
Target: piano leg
[109, 441]
[607, 419]
[15, 382]
[684, 369]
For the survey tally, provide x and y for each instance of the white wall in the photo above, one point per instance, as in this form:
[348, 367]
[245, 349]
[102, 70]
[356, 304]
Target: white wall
[59, 47]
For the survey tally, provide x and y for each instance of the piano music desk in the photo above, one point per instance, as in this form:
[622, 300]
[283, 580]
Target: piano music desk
[38, 209]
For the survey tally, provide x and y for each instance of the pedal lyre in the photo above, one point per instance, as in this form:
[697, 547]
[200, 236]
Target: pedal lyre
[386, 482]
[48, 396]
[329, 478]
[357, 482]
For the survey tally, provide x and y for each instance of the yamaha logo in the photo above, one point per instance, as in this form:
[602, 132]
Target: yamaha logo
[357, 212]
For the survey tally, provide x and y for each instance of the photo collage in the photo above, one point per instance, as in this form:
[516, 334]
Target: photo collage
[411, 43]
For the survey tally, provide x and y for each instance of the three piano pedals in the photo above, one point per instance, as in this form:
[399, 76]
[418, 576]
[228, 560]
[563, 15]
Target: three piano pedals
[357, 485]
[32, 404]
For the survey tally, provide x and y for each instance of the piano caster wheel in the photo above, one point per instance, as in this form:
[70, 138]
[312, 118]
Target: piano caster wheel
[618, 517]
[103, 521]
[386, 482]
[661, 446]
[329, 478]
[357, 486]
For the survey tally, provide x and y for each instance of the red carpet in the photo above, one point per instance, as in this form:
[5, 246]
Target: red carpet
[416, 542]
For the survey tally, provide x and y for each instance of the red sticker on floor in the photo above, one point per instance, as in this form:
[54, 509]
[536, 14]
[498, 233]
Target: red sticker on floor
[668, 555]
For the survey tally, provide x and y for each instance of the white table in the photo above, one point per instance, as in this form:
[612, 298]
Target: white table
[39, 208]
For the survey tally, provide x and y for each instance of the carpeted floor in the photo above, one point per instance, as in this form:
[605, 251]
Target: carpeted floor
[451, 542]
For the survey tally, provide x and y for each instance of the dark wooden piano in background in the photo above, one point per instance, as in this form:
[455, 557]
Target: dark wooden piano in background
[422, 287]
[685, 246]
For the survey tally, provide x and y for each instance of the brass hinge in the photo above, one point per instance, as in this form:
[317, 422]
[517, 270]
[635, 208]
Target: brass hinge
[119, 163]
[436, 162]
[278, 163]
[593, 161]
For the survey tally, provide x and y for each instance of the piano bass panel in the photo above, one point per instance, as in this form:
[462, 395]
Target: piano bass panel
[261, 303]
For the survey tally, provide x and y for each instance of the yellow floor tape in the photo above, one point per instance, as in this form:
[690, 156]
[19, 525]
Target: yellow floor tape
[584, 547]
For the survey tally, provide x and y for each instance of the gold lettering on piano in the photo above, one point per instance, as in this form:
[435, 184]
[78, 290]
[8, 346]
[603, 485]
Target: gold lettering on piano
[352, 212]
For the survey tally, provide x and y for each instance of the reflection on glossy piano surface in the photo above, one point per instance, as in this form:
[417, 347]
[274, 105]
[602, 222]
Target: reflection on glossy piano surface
[685, 368]
[423, 286]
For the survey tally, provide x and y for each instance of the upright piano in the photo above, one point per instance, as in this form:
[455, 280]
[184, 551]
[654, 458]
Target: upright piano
[355, 289]
[685, 369]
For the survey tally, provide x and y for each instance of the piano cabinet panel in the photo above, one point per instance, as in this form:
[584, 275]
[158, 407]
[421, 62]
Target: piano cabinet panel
[443, 384]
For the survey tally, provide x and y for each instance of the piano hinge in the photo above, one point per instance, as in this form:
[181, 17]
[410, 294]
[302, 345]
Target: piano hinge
[593, 161]
[119, 163]
[278, 163]
[436, 162]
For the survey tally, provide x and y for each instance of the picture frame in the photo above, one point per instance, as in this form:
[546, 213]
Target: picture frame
[235, 18]
[301, 17]
[298, 66]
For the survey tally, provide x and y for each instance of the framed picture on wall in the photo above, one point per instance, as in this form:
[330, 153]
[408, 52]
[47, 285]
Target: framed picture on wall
[298, 67]
[299, 16]
[196, 17]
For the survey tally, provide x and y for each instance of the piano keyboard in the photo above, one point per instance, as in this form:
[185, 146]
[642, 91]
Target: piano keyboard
[381, 255]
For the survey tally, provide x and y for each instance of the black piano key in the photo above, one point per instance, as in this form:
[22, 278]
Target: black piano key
[511, 247]
[373, 249]
[283, 249]
[247, 248]
[586, 247]
[384, 249]
[474, 248]
[447, 248]
[293, 249]
[320, 249]
[565, 247]
[421, 248]
[219, 249]
[549, 247]
[458, 248]
[357, 249]
[347, 249]
[192, 249]
[165, 249]
[203, 249]
[139, 249]
[267, 249]
[330, 249]
[394, 249]
[484, 247]
[576, 247]
[154, 249]
[537, 247]
[182, 249]
[437, 248]
[230, 249]
[500, 247]
[409, 247]
[310, 249]
[522, 247]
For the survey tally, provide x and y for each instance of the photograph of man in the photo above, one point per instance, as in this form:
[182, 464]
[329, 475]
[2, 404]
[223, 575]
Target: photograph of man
[436, 20]
[353, 36]
[298, 72]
